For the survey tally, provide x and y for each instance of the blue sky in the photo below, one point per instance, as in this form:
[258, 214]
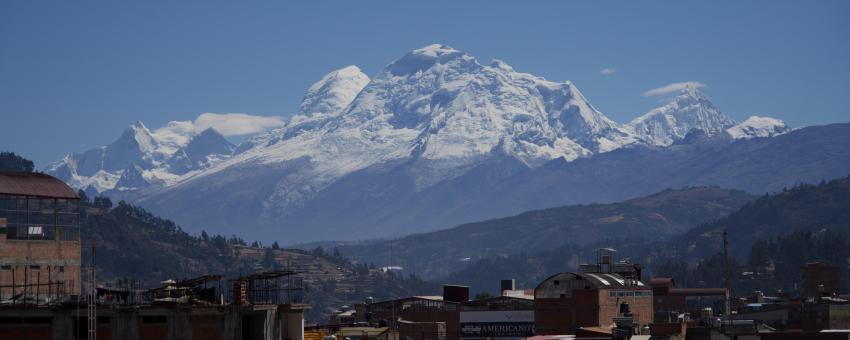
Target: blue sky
[74, 74]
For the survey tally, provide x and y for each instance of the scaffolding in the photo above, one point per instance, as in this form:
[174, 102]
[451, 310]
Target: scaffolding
[269, 287]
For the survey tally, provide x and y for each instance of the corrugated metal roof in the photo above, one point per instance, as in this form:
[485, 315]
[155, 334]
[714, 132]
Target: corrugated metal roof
[565, 282]
[34, 184]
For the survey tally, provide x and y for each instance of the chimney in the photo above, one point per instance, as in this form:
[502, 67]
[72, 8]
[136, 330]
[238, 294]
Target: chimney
[508, 284]
[454, 293]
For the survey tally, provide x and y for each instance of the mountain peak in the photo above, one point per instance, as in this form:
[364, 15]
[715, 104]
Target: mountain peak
[691, 94]
[138, 125]
[499, 64]
[758, 127]
[435, 50]
[692, 90]
[210, 131]
[331, 94]
[207, 143]
[427, 57]
[689, 109]
[139, 134]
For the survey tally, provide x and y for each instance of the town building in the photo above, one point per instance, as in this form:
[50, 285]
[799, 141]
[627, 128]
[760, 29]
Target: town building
[421, 313]
[499, 317]
[819, 280]
[670, 301]
[594, 297]
[39, 237]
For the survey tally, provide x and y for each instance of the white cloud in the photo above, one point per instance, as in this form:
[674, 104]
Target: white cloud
[237, 124]
[607, 71]
[674, 87]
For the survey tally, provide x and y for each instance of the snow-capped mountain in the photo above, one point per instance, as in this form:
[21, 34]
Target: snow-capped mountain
[140, 157]
[758, 127]
[363, 155]
[437, 106]
[689, 109]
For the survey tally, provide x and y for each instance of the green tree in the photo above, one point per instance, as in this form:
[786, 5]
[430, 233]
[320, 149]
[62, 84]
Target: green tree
[9, 161]
[269, 261]
[103, 202]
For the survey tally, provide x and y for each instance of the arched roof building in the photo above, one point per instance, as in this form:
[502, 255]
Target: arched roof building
[39, 237]
[34, 185]
[567, 301]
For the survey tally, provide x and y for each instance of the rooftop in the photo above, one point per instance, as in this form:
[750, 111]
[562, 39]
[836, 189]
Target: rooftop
[34, 184]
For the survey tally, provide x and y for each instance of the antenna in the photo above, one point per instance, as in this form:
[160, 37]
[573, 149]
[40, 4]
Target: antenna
[392, 299]
[92, 305]
[726, 283]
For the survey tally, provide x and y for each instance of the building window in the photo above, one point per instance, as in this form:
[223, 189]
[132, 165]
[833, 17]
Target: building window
[6, 267]
[38, 320]
[61, 269]
[8, 320]
[556, 282]
[35, 267]
[154, 319]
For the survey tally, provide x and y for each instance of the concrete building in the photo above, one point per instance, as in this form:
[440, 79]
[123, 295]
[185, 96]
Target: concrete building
[501, 317]
[420, 310]
[39, 238]
[819, 280]
[154, 322]
[670, 301]
[453, 315]
[179, 310]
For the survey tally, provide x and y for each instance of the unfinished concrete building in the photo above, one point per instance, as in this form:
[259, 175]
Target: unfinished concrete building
[39, 238]
[41, 295]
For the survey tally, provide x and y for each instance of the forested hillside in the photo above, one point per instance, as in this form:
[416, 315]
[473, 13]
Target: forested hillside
[770, 240]
[9, 161]
[132, 244]
[805, 207]
[641, 220]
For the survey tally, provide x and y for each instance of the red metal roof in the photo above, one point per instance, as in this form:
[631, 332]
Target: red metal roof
[34, 184]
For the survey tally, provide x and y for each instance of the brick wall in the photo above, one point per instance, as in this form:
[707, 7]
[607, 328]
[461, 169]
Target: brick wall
[23, 261]
[564, 315]
[609, 307]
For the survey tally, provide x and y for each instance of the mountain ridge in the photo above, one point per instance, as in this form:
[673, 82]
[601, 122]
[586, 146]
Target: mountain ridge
[664, 214]
[433, 117]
